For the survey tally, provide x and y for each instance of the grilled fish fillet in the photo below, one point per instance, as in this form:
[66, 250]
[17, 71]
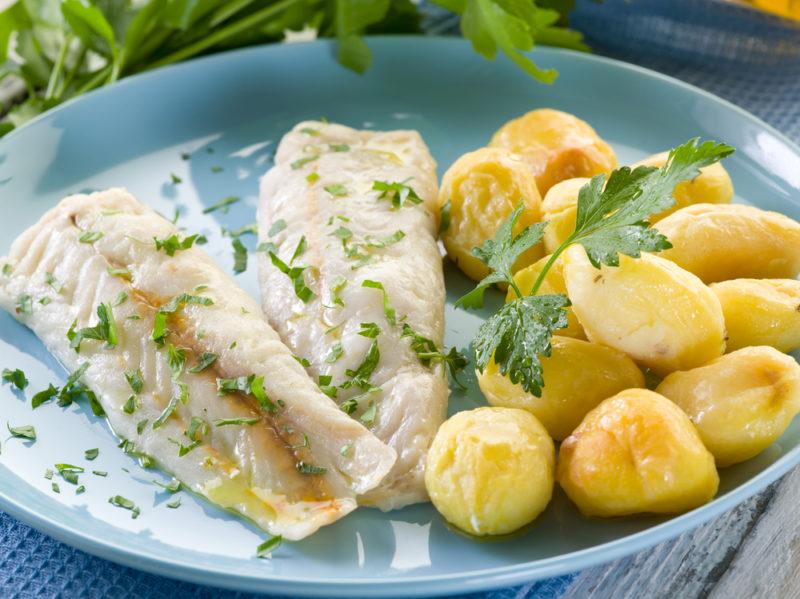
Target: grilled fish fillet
[299, 467]
[321, 204]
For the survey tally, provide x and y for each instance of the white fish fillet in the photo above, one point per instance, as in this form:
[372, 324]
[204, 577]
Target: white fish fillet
[334, 191]
[251, 469]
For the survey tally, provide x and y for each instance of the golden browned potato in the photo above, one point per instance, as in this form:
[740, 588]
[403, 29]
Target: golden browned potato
[490, 470]
[662, 316]
[761, 312]
[636, 452]
[559, 209]
[578, 375]
[718, 242]
[553, 283]
[483, 188]
[741, 402]
[712, 186]
[556, 146]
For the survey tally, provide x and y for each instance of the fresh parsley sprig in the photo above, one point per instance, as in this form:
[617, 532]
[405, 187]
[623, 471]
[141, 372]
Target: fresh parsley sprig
[611, 220]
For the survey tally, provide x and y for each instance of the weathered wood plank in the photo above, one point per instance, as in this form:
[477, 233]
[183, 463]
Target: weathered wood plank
[768, 561]
[687, 567]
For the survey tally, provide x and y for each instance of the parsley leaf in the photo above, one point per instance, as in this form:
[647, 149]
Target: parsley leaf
[172, 244]
[16, 377]
[361, 375]
[295, 273]
[206, 360]
[311, 469]
[233, 421]
[104, 330]
[398, 193]
[267, 547]
[239, 256]
[43, 396]
[388, 311]
[90, 236]
[222, 205]
[23, 432]
[135, 380]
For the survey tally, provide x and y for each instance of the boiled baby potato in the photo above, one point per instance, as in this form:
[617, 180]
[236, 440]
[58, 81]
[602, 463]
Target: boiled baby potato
[559, 209]
[483, 188]
[662, 316]
[636, 452]
[556, 146]
[578, 375]
[718, 242]
[553, 283]
[740, 403]
[490, 470]
[712, 186]
[761, 312]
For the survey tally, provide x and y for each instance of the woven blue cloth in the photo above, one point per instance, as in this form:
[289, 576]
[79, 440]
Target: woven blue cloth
[750, 59]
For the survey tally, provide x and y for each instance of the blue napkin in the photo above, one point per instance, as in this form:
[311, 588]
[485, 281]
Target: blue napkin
[744, 56]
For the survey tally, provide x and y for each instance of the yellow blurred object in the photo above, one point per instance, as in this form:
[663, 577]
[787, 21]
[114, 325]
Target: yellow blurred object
[636, 452]
[483, 188]
[556, 146]
[491, 471]
[553, 283]
[578, 375]
[784, 8]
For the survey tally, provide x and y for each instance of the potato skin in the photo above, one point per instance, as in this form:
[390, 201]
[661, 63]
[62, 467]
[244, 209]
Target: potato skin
[556, 146]
[636, 452]
[740, 403]
[484, 187]
[712, 186]
[559, 209]
[660, 315]
[719, 242]
[578, 375]
[490, 471]
[553, 283]
[761, 312]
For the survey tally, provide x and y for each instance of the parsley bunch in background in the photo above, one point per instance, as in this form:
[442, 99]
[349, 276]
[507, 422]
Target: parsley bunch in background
[64, 48]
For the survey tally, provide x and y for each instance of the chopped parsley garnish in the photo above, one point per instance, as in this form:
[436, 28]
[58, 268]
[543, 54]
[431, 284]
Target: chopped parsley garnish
[176, 358]
[55, 487]
[7, 269]
[130, 406]
[250, 229]
[198, 428]
[140, 426]
[368, 417]
[172, 244]
[342, 233]
[45, 300]
[337, 190]
[309, 131]
[160, 330]
[174, 504]
[299, 249]
[612, 219]
[181, 396]
[444, 217]
[386, 241]
[80, 490]
[361, 375]
[127, 504]
[122, 273]
[217, 169]
[90, 236]
[175, 179]
[369, 330]
[306, 468]
[91, 454]
[25, 431]
[388, 311]
[239, 256]
[73, 390]
[206, 360]
[24, 304]
[301, 162]
[100, 473]
[185, 155]
[43, 396]
[312, 177]
[54, 283]
[121, 298]
[335, 353]
[135, 380]
[173, 486]
[346, 449]
[223, 205]
[104, 330]
[295, 273]
[253, 385]
[232, 421]
[338, 284]
[427, 352]
[267, 547]
[339, 147]
[69, 472]
[16, 377]
[326, 387]
[278, 226]
[398, 193]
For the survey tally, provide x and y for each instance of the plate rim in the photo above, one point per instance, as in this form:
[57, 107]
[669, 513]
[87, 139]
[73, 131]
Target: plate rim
[399, 585]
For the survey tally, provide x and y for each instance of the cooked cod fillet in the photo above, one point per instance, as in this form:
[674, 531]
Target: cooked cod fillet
[357, 209]
[296, 463]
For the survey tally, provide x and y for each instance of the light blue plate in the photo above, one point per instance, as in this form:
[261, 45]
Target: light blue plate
[229, 111]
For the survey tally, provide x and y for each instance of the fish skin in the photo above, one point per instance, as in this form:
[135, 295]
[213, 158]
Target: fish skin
[247, 468]
[413, 398]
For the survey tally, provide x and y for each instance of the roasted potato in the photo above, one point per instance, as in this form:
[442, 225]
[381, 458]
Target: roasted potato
[718, 242]
[483, 188]
[636, 452]
[556, 146]
[578, 375]
[712, 186]
[761, 312]
[740, 403]
[553, 283]
[660, 315]
[490, 471]
[559, 209]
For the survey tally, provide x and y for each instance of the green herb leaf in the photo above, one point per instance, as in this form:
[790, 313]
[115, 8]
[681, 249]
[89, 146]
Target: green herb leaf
[301, 162]
[174, 504]
[444, 217]
[369, 329]
[223, 205]
[295, 273]
[104, 330]
[233, 421]
[176, 358]
[339, 147]
[337, 190]
[175, 179]
[182, 396]
[239, 256]
[306, 468]
[206, 360]
[278, 226]
[91, 454]
[135, 380]
[90, 236]
[398, 193]
[16, 377]
[388, 311]
[43, 396]
[23, 432]
[122, 273]
[267, 547]
[130, 406]
[173, 243]
[312, 177]
[361, 375]
[173, 486]
[53, 282]
[334, 353]
[24, 305]
[127, 504]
